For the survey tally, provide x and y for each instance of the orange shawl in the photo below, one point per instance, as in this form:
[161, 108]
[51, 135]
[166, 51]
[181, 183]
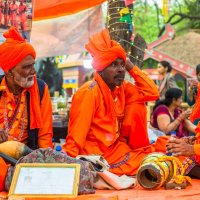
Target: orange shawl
[35, 112]
[196, 110]
[104, 50]
[3, 172]
[115, 108]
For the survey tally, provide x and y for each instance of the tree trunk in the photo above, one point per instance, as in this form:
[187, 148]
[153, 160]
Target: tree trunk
[122, 33]
[119, 31]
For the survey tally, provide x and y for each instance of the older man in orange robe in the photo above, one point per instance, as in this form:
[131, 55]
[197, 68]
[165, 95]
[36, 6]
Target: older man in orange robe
[98, 112]
[25, 114]
[23, 110]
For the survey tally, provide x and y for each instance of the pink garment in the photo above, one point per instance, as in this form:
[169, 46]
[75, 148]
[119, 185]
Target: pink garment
[162, 109]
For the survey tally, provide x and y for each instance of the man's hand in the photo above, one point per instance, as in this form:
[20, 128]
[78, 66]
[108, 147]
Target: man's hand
[3, 136]
[129, 64]
[189, 140]
[179, 147]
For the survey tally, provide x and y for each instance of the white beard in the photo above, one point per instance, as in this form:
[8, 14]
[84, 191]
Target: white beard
[24, 82]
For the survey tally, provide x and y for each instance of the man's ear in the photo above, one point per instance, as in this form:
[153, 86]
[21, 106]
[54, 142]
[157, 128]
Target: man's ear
[9, 73]
[100, 73]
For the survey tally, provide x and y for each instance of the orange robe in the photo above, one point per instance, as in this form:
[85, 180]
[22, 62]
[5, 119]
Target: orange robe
[92, 131]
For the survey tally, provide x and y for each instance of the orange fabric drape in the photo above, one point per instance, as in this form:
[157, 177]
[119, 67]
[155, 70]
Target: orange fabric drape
[55, 8]
[196, 110]
[3, 172]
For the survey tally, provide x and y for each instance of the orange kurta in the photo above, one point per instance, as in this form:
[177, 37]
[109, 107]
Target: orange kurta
[93, 131]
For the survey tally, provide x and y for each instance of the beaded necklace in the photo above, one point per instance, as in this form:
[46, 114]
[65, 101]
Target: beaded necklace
[9, 123]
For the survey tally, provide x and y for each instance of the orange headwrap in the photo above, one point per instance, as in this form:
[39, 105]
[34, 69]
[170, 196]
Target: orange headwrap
[104, 50]
[14, 49]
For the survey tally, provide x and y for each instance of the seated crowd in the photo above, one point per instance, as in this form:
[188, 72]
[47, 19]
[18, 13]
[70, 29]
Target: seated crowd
[107, 116]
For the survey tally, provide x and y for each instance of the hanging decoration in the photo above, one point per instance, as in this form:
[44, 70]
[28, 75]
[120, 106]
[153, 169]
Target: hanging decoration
[121, 27]
[61, 59]
[165, 9]
[119, 14]
[126, 17]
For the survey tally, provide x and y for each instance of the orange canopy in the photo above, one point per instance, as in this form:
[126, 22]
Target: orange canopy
[54, 8]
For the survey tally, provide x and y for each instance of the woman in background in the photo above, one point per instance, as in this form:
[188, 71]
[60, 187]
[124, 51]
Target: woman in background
[167, 115]
[168, 81]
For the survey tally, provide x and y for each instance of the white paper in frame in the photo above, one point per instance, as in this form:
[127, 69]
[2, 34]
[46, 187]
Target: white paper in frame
[45, 180]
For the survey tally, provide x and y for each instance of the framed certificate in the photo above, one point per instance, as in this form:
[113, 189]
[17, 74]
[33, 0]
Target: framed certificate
[53, 180]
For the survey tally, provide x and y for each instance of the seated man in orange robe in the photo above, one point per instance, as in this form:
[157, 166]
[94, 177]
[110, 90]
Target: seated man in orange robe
[25, 105]
[98, 112]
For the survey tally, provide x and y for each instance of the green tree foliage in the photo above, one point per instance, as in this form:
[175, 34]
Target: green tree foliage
[193, 10]
[145, 21]
[149, 21]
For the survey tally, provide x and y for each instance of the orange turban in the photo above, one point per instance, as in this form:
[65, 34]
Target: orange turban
[104, 50]
[14, 49]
